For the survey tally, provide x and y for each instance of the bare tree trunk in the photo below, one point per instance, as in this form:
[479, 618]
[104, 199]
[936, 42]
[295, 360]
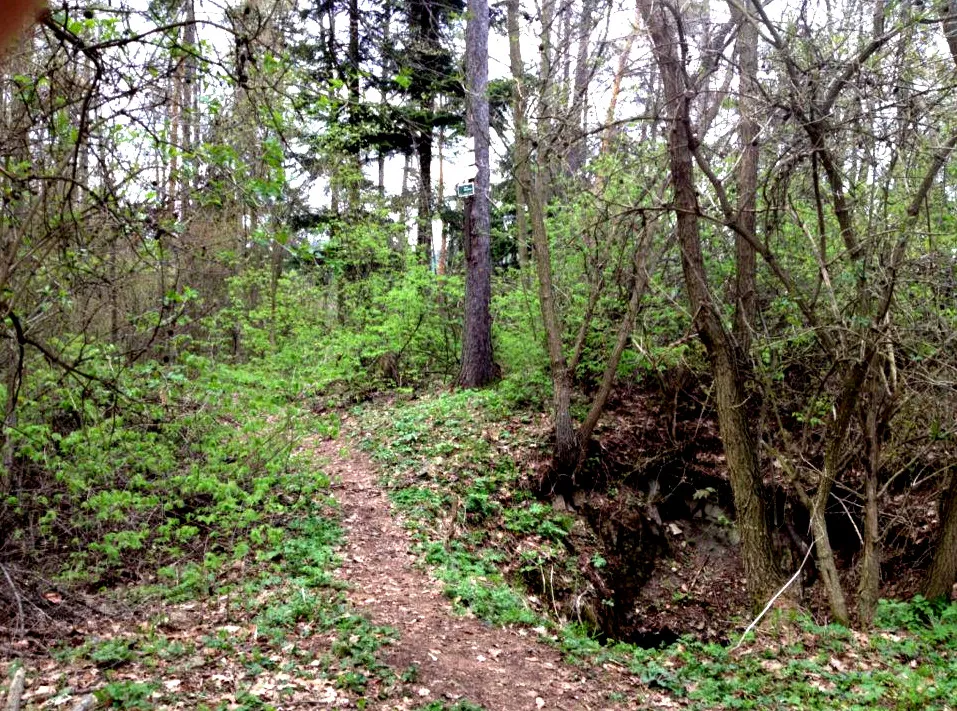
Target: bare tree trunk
[518, 109]
[189, 96]
[14, 379]
[275, 273]
[405, 200]
[747, 182]
[175, 119]
[943, 569]
[836, 435]
[385, 69]
[579, 109]
[763, 576]
[478, 365]
[355, 100]
[441, 265]
[868, 589]
[547, 100]
[566, 452]
[424, 215]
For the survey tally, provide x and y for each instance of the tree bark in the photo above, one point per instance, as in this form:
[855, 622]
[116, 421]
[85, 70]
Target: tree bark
[478, 365]
[190, 103]
[763, 576]
[518, 109]
[747, 182]
[578, 114]
[355, 99]
[441, 266]
[565, 455]
[424, 215]
[868, 589]
[942, 574]
[835, 436]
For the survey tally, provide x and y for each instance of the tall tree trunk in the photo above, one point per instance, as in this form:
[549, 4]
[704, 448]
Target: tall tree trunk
[189, 97]
[747, 181]
[405, 200]
[868, 589]
[424, 21]
[424, 215]
[14, 379]
[275, 274]
[385, 68]
[355, 100]
[441, 263]
[942, 575]
[763, 576]
[565, 456]
[478, 365]
[518, 109]
[578, 114]
[547, 99]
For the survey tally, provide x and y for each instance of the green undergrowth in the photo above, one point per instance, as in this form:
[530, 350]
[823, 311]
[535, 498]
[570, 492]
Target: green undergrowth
[204, 512]
[457, 706]
[178, 470]
[449, 462]
[281, 634]
[446, 462]
[907, 662]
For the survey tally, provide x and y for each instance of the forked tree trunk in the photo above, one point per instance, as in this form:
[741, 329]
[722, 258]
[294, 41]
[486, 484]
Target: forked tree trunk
[763, 576]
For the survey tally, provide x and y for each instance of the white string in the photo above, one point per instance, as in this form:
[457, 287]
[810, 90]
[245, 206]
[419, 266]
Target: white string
[776, 596]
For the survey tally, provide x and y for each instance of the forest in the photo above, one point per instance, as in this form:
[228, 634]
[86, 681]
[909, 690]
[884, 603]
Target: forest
[453, 355]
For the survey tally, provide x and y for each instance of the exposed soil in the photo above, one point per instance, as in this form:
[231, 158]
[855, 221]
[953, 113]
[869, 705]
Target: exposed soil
[455, 656]
[657, 479]
[658, 507]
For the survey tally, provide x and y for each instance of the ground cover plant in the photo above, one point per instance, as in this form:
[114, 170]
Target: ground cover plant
[205, 525]
[438, 455]
[446, 463]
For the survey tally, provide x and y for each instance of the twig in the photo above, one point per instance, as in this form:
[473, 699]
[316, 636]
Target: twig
[775, 597]
[16, 690]
[850, 518]
[16, 596]
[698, 574]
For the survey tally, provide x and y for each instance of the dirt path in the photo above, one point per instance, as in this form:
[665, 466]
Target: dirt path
[457, 657]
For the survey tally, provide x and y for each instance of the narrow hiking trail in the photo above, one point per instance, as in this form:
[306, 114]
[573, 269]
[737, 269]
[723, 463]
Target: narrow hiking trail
[456, 657]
